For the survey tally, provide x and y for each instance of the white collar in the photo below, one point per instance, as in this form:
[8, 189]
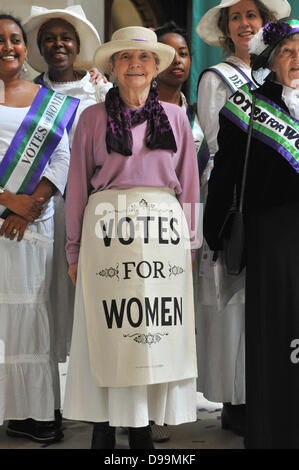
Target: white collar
[291, 98]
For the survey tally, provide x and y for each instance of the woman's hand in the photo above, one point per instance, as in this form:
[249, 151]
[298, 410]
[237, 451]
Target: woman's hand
[96, 76]
[14, 225]
[72, 272]
[29, 207]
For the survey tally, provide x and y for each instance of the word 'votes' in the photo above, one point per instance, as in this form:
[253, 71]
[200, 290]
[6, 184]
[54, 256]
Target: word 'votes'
[166, 231]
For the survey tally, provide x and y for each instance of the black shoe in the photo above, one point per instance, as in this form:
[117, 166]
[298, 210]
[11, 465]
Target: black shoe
[233, 417]
[141, 438]
[44, 432]
[103, 436]
[58, 418]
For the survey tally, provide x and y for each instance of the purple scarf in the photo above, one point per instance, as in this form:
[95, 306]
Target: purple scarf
[121, 119]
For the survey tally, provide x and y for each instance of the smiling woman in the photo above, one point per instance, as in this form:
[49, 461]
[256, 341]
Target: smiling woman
[221, 325]
[134, 70]
[136, 154]
[59, 44]
[62, 43]
[271, 221]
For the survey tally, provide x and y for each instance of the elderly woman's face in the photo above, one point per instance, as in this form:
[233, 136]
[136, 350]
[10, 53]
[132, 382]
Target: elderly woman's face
[59, 45]
[134, 68]
[286, 62]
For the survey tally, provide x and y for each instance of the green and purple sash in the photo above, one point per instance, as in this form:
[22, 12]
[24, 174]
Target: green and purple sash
[272, 124]
[35, 141]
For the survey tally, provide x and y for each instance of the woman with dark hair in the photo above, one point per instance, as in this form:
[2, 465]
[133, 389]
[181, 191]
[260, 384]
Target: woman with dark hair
[34, 159]
[220, 311]
[170, 82]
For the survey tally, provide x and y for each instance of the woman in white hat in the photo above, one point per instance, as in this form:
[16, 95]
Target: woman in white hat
[61, 45]
[133, 167]
[271, 208]
[220, 311]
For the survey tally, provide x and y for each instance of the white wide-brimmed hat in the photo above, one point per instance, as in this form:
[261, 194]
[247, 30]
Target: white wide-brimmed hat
[133, 37]
[89, 37]
[208, 28]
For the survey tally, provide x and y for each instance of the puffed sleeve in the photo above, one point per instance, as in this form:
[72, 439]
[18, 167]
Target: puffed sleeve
[102, 89]
[212, 96]
[57, 169]
[78, 187]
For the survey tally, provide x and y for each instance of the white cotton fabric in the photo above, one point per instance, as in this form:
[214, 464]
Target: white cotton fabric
[26, 368]
[88, 93]
[291, 98]
[171, 403]
[219, 298]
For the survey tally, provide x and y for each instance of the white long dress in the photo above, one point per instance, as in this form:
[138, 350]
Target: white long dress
[62, 292]
[220, 299]
[28, 380]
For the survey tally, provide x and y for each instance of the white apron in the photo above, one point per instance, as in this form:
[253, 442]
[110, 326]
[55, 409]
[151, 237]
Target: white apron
[137, 288]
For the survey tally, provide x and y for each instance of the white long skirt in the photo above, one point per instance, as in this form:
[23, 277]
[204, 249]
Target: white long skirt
[29, 380]
[220, 339]
[171, 403]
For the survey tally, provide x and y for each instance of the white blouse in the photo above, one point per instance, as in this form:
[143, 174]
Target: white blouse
[88, 93]
[291, 98]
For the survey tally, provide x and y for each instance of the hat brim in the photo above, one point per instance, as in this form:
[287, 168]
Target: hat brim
[208, 29]
[105, 52]
[89, 39]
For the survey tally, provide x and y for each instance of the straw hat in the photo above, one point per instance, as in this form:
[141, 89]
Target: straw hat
[265, 41]
[89, 38]
[208, 28]
[133, 37]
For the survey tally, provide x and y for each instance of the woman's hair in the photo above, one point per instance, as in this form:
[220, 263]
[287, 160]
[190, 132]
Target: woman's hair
[4, 16]
[226, 42]
[40, 32]
[172, 28]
